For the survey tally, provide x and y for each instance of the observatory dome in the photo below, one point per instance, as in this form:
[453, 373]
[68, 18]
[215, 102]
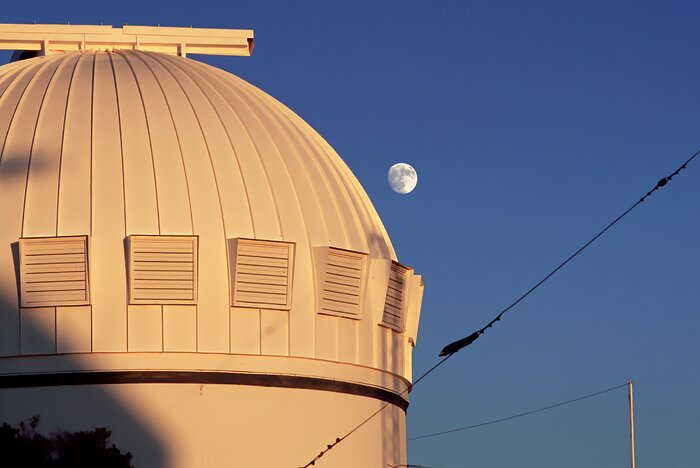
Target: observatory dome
[164, 221]
[185, 148]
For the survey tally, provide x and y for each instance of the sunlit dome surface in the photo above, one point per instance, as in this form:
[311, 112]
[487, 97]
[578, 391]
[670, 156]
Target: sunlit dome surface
[251, 167]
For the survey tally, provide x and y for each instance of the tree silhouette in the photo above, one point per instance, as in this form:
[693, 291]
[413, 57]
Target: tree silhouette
[25, 447]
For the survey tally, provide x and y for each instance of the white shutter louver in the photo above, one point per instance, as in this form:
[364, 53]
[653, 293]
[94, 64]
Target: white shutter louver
[162, 269]
[54, 271]
[342, 284]
[262, 274]
[396, 292]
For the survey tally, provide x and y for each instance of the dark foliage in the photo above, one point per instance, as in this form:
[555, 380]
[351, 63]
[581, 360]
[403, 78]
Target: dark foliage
[24, 447]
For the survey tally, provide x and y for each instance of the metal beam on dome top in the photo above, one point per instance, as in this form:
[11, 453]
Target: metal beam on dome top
[45, 39]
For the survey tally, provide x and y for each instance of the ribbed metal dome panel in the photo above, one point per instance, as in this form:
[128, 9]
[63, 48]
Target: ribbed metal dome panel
[270, 175]
[113, 144]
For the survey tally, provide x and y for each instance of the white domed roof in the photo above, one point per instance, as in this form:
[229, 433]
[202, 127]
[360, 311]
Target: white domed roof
[104, 151]
[187, 148]
[163, 222]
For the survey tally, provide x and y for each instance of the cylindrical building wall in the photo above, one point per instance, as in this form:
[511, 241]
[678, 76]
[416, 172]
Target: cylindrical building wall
[210, 425]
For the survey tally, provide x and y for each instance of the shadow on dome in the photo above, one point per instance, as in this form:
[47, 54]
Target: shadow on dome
[13, 166]
[69, 408]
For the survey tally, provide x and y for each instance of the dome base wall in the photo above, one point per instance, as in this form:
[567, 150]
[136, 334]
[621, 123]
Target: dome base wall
[209, 425]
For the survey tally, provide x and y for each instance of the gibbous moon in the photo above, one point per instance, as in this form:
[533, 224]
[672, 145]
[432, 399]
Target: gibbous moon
[402, 178]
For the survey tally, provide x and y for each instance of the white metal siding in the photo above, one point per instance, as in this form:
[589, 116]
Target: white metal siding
[262, 274]
[342, 285]
[162, 270]
[395, 302]
[54, 271]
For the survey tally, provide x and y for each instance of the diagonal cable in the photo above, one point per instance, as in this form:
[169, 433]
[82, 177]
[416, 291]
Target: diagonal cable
[519, 415]
[467, 340]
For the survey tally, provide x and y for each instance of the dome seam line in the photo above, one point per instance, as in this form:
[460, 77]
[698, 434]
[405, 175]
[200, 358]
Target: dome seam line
[63, 139]
[148, 132]
[36, 126]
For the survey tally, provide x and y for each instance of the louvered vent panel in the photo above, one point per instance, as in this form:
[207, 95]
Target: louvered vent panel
[162, 270]
[342, 285]
[395, 303]
[54, 271]
[262, 274]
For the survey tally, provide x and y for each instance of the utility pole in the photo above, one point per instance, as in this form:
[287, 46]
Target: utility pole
[631, 399]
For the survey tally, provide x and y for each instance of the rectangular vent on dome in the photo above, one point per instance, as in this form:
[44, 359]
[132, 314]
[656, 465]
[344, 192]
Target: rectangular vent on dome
[396, 292]
[342, 283]
[54, 271]
[162, 269]
[261, 273]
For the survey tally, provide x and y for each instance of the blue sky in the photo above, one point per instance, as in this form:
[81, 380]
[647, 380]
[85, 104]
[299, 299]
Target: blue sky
[531, 126]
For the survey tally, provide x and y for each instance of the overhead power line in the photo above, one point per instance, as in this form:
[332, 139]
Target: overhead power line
[366, 420]
[519, 415]
[406, 466]
[469, 339]
[455, 346]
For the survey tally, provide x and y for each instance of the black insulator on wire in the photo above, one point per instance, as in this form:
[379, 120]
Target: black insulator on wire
[459, 344]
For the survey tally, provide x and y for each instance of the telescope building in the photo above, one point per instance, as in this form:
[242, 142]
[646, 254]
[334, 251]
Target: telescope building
[187, 263]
